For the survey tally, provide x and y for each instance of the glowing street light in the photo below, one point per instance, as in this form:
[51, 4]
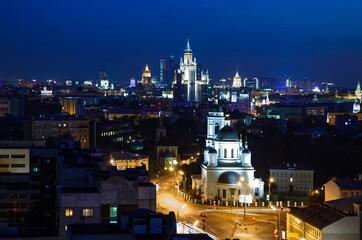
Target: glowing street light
[270, 181]
[183, 206]
[241, 183]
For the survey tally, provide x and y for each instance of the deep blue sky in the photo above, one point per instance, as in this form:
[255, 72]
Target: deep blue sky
[75, 39]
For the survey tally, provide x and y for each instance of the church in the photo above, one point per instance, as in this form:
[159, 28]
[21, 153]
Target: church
[226, 173]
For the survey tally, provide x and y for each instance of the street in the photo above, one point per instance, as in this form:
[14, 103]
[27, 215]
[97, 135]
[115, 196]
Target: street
[219, 221]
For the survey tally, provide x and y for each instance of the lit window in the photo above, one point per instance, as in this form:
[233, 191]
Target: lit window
[87, 212]
[68, 212]
[113, 212]
[35, 169]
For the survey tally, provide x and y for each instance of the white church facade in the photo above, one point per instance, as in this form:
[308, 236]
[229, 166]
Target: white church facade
[226, 173]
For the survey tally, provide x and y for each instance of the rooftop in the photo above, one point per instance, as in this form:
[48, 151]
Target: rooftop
[291, 166]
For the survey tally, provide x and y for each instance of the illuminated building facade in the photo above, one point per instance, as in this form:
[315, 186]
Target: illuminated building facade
[146, 76]
[188, 71]
[72, 105]
[58, 126]
[237, 80]
[358, 91]
[227, 161]
[293, 177]
[104, 81]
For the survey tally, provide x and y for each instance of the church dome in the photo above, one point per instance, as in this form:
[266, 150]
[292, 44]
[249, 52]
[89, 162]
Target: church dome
[229, 178]
[215, 108]
[212, 150]
[227, 133]
[246, 150]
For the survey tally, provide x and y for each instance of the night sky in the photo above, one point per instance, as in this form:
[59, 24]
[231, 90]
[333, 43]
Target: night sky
[75, 39]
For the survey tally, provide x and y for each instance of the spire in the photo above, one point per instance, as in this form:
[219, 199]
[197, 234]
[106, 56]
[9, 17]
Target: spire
[188, 49]
[246, 141]
[147, 69]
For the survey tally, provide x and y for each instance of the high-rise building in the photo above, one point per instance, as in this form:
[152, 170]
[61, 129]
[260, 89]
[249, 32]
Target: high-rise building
[358, 91]
[252, 83]
[146, 76]
[72, 105]
[237, 80]
[132, 83]
[172, 66]
[104, 80]
[188, 68]
[163, 71]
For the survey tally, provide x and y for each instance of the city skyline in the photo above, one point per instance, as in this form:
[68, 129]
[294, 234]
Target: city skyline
[44, 40]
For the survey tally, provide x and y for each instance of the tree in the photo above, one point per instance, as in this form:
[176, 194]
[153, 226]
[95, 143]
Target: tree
[315, 197]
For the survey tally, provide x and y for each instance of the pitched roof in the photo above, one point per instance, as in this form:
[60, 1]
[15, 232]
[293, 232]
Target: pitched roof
[318, 216]
[345, 204]
[349, 184]
[292, 166]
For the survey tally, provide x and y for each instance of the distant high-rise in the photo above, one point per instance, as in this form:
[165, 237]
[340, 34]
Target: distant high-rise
[237, 80]
[132, 83]
[163, 71]
[146, 76]
[188, 69]
[358, 91]
[172, 66]
[104, 80]
[252, 83]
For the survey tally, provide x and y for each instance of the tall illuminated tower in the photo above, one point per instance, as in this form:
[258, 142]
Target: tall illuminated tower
[237, 80]
[146, 76]
[188, 69]
[104, 80]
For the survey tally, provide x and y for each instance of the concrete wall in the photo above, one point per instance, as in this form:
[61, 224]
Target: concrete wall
[345, 228]
[331, 191]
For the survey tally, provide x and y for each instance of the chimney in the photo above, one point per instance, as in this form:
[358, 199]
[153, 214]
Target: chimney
[334, 178]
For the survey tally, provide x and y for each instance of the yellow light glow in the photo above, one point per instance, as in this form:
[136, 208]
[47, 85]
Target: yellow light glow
[181, 172]
[271, 180]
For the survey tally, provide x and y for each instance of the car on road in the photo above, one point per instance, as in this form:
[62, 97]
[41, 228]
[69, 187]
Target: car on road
[203, 214]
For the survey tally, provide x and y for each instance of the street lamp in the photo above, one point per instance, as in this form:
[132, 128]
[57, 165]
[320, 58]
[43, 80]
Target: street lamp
[184, 181]
[270, 181]
[183, 206]
[242, 185]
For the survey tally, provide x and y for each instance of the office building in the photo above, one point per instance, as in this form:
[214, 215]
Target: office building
[293, 177]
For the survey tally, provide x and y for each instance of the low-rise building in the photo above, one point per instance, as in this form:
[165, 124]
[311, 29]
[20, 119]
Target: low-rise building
[293, 177]
[337, 220]
[138, 224]
[57, 126]
[123, 160]
[338, 188]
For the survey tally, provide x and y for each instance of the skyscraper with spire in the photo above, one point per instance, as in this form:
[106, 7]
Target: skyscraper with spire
[237, 80]
[146, 76]
[188, 70]
[358, 91]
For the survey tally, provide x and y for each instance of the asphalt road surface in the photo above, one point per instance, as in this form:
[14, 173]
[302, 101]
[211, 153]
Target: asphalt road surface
[219, 222]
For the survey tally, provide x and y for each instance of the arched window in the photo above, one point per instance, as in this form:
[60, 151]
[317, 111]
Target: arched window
[232, 153]
[225, 153]
[217, 128]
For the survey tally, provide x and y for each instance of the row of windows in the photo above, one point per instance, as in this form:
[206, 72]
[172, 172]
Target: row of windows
[291, 180]
[111, 133]
[15, 165]
[273, 174]
[226, 153]
[12, 156]
[87, 212]
[13, 196]
[350, 194]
